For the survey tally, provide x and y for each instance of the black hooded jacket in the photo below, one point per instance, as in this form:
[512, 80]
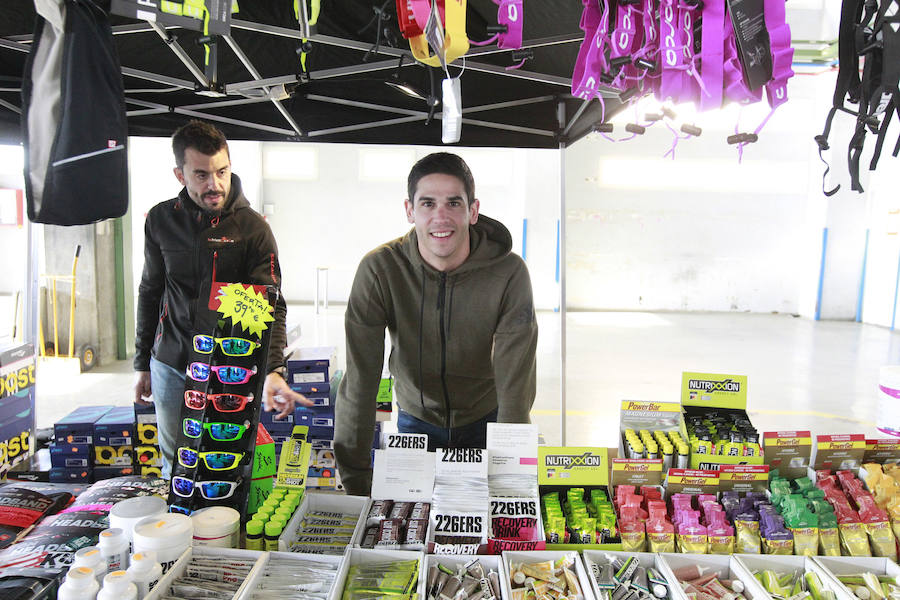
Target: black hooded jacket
[181, 245]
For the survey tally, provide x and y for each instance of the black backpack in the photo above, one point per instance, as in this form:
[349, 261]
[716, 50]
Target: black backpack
[76, 163]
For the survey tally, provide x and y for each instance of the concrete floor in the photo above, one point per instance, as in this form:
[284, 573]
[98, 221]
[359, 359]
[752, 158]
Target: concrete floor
[821, 376]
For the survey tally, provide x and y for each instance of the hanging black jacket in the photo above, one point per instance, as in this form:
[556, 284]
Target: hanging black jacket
[180, 243]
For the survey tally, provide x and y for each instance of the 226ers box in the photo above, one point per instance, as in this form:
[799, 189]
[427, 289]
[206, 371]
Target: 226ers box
[17, 377]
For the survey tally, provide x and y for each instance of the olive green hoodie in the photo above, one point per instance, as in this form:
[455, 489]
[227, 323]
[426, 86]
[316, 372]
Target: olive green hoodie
[462, 342]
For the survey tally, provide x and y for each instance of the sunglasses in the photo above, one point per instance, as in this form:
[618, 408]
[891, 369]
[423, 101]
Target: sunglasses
[199, 371]
[231, 346]
[211, 490]
[174, 508]
[214, 460]
[222, 402]
[219, 431]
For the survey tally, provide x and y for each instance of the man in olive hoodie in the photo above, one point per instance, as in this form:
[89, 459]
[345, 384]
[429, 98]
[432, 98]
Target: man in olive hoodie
[459, 309]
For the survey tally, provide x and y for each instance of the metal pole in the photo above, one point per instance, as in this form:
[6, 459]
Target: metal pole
[561, 116]
[32, 301]
[317, 290]
[326, 288]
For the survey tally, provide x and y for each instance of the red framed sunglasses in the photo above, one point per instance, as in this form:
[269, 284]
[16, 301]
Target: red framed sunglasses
[222, 402]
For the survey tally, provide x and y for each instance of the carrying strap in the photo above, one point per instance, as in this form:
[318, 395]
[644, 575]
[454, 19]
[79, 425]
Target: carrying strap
[626, 39]
[712, 54]
[453, 17]
[592, 66]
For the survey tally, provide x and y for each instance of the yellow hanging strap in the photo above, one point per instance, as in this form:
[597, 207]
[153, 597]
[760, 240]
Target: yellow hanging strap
[315, 6]
[456, 42]
[234, 7]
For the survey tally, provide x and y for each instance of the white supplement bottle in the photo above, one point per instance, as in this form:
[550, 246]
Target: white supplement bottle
[92, 558]
[117, 585]
[113, 546]
[80, 584]
[145, 572]
[169, 536]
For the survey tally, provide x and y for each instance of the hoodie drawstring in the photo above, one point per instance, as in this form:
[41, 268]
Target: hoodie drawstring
[421, 326]
[450, 305]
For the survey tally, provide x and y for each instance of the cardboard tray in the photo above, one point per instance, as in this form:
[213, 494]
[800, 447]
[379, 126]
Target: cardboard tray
[490, 562]
[726, 566]
[853, 565]
[584, 580]
[362, 556]
[312, 502]
[181, 564]
[250, 585]
[645, 559]
[782, 564]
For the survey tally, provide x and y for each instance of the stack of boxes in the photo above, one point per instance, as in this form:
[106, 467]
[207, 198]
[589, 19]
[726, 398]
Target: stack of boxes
[313, 373]
[72, 453]
[147, 455]
[114, 444]
[102, 442]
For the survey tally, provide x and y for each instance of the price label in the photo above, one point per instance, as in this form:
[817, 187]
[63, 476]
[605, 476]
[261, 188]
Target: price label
[245, 307]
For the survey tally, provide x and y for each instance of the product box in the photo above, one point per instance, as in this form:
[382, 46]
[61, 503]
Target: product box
[320, 502]
[788, 451]
[513, 453]
[78, 426]
[68, 475]
[384, 401]
[109, 456]
[723, 566]
[115, 428]
[565, 467]
[147, 471]
[838, 453]
[594, 558]
[270, 417]
[362, 556]
[510, 557]
[111, 472]
[264, 454]
[882, 451]
[148, 456]
[17, 393]
[642, 415]
[725, 396]
[76, 456]
[311, 369]
[35, 467]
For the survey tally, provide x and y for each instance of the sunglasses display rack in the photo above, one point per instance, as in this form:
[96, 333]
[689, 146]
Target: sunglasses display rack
[223, 395]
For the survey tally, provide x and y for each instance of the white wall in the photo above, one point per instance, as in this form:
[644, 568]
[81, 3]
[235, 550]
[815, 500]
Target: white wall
[332, 203]
[705, 232]
[13, 240]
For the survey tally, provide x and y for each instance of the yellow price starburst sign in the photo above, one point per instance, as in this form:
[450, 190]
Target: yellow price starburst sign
[246, 307]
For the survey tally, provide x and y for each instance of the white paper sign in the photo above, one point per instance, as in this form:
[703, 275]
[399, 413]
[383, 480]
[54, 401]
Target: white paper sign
[512, 448]
[405, 476]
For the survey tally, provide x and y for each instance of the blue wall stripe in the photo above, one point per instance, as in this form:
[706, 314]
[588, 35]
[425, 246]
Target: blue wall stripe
[821, 274]
[862, 281]
[525, 239]
[557, 251]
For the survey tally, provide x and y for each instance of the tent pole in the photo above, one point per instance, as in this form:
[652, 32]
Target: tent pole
[561, 117]
[32, 298]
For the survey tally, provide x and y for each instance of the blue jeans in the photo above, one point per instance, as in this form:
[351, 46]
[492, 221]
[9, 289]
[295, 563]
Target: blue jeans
[167, 386]
[473, 435]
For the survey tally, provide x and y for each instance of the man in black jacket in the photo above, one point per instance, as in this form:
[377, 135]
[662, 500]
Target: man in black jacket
[208, 230]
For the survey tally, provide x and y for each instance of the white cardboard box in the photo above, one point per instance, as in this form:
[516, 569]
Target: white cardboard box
[357, 505]
[179, 567]
[454, 561]
[725, 566]
[783, 564]
[646, 559]
[338, 561]
[362, 556]
[536, 556]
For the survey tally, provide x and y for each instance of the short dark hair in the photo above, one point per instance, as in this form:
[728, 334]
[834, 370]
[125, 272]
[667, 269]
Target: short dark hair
[447, 164]
[199, 135]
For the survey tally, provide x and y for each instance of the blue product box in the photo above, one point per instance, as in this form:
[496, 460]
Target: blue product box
[71, 456]
[320, 400]
[115, 428]
[64, 475]
[78, 426]
[279, 438]
[312, 360]
[270, 417]
[113, 456]
[17, 393]
[107, 472]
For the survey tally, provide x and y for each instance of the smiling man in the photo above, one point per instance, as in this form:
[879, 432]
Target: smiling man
[209, 228]
[458, 306]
